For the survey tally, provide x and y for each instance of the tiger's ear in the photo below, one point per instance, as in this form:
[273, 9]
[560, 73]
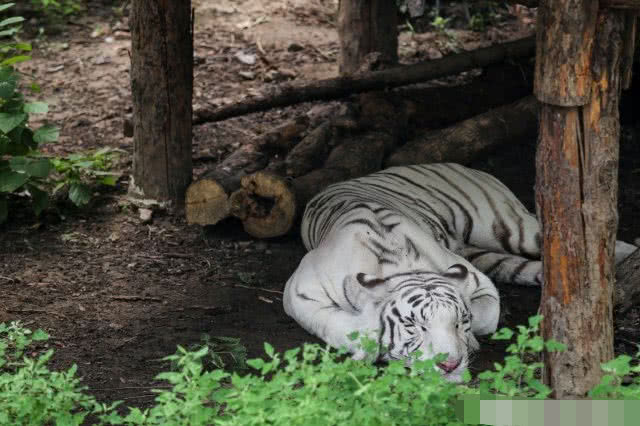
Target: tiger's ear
[457, 271]
[369, 281]
[459, 274]
[361, 289]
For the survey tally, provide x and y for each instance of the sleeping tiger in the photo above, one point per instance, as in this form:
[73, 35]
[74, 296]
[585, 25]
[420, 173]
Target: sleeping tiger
[407, 256]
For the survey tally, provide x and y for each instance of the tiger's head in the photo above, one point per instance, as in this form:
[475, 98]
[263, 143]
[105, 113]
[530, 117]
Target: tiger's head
[426, 312]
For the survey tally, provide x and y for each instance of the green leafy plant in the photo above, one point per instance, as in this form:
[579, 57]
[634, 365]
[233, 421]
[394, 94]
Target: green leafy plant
[611, 385]
[477, 22]
[226, 351]
[308, 386]
[517, 377]
[24, 170]
[312, 385]
[440, 24]
[78, 172]
[31, 394]
[20, 170]
[57, 7]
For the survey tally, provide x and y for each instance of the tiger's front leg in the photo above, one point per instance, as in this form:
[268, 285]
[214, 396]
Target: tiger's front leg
[316, 298]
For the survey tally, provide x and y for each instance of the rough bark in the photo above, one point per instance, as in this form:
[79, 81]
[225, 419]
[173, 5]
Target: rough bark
[292, 93]
[465, 140]
[311, 152]
[366, 26]
[576, 197]
[161, 86]
[627, 289]
[563, 51]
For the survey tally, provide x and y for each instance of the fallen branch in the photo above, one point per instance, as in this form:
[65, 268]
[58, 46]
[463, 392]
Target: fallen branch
[290, 94]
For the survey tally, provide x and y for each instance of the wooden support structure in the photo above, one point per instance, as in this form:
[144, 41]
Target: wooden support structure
[161, 88]
[364, 27]
[578, 81]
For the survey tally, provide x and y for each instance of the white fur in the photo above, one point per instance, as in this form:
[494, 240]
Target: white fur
[419, 223]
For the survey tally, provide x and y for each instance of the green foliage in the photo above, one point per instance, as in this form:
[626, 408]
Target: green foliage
[517, 378]
[611, 386]
[477, 22]
[77, 172]
[305, 386]
[440, 24]
[311, 385]
[226, 351]
[23, 170]
[31, 394]
[56, 8]
[484, 14]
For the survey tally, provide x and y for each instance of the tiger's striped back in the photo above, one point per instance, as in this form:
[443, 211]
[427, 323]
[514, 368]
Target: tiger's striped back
[458, 205]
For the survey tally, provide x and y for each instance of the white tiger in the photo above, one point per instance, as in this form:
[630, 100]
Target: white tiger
[387, 259]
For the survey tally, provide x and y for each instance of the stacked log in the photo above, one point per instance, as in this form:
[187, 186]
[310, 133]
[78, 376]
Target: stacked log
[365, 134]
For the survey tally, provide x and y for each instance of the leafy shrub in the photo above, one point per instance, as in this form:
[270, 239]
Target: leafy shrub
[225, 352]
[20, 169]
[31, 394]
[611, 385]
[57, 7]
[518, 377]
[77, 172]
[23, 170]
[311, 385]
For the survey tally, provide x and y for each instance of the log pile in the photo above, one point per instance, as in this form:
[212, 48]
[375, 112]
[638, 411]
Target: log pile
[358, 137]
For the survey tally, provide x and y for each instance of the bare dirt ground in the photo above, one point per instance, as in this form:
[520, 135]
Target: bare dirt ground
[117, 294]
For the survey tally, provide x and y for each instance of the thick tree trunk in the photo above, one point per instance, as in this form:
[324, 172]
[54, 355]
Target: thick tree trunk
[161, 85]
[463, 141]
[576, 188]
[366, 26]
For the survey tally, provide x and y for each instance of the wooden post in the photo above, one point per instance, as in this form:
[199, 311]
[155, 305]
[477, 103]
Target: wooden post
[578, 81]
[161, 85]
[366, 26]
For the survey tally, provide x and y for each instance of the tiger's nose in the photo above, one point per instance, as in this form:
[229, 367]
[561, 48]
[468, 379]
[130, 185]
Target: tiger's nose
[449, 365]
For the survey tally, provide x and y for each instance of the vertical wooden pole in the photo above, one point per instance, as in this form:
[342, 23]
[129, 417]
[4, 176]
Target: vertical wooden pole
[578, 82]
[162, 86]
[366, 26]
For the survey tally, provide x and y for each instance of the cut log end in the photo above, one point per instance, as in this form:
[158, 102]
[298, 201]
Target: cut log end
[206, 203]
[265, 203]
